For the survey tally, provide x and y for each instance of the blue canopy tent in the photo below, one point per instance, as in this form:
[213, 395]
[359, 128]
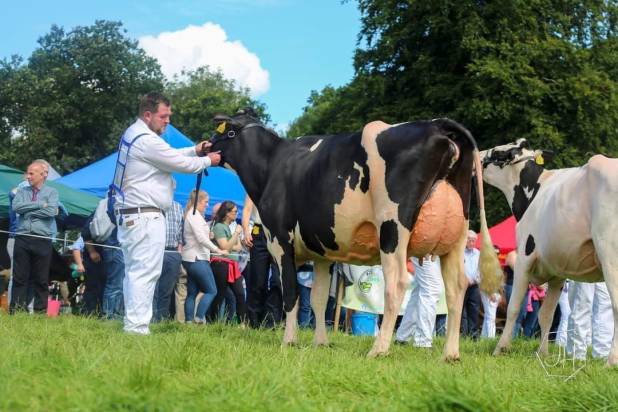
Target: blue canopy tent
[221, 184]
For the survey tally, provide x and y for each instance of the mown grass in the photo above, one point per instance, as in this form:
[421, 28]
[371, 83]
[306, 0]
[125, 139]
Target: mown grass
[71, 364]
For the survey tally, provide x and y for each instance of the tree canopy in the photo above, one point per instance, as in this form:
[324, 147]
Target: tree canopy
[200, 94]
[79, 90]
[74, 96]
[545, 70]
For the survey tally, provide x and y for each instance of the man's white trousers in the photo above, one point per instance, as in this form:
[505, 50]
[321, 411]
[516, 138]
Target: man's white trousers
[591, 320]
[489, 314]
[565, 313]
[142, 238]
[419, 318]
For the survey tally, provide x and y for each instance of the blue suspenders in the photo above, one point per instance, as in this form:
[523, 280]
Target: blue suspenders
[121, 164]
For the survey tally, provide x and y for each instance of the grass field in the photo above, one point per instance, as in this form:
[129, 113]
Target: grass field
[71, 363]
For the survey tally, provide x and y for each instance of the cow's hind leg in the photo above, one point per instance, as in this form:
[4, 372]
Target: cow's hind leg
[319, 298]
[393, 244]
[455, 285]
[546, 313]
[520, 288]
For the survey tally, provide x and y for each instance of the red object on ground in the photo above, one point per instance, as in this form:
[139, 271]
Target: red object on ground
[53, 308]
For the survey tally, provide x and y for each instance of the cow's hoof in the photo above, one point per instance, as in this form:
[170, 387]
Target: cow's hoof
[452, 358]
[500, 350]
[289, 342]
[375, 353]
[321, 343]
[612, 361]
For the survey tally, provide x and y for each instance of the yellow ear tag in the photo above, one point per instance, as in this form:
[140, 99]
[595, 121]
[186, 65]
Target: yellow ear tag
[221, 128]
[539, 160]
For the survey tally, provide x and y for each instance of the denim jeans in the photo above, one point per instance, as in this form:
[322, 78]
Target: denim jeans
[527, 320]
[113, 303]
[165, 286]
[199, 279]
[305, 315]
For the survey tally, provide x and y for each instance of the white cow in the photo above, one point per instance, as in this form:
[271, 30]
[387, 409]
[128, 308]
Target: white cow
[566, 227]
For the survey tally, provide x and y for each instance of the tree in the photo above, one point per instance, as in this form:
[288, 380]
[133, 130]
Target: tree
[200, 94]
[72, 100]
[544, 70]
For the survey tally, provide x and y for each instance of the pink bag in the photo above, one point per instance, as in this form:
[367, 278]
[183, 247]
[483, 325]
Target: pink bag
[53, 308]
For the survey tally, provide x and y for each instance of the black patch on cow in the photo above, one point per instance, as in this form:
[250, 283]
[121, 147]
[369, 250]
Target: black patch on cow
[388, 236]
[529, 245]
[528, 183]
[417, 155]
[305, 186]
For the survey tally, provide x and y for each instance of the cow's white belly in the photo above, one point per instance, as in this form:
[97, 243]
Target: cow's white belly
[559, 227]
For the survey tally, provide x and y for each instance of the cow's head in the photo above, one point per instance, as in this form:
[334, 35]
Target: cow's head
[515, 169]
[228, 132]
[246, 147]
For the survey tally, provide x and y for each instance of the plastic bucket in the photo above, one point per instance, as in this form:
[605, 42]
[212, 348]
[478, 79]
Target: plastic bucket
[53, 308]
[364, 324]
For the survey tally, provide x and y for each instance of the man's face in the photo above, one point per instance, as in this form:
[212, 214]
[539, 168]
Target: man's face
[471, 242]
[157, 122]
[35, 175]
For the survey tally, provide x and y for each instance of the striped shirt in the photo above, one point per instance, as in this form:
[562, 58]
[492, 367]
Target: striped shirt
[173, 226]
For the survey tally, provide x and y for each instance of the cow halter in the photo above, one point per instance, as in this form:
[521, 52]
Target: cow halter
[501, 163]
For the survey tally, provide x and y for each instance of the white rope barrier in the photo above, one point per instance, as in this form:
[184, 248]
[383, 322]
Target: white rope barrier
[66, 240]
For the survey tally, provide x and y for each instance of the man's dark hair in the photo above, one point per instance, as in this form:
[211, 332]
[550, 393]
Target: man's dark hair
[150, 102]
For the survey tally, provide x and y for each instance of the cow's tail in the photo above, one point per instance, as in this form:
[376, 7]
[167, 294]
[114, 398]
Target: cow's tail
[491, 273]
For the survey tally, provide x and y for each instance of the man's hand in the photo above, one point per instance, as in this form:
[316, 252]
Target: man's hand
[80, 268]
[215, 158]
[95, 256]
[202, 148]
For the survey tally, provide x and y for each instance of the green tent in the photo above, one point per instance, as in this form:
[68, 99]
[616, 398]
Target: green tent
[77, 203]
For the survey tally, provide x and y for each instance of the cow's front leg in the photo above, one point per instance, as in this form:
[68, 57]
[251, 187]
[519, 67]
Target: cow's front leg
[290, 335]
[393, 244]
[546, 313]
[319, 298]
[282, 252]
[520, 289]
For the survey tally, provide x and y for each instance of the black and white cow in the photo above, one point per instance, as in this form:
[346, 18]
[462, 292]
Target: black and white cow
[566, 227]
[374, 196]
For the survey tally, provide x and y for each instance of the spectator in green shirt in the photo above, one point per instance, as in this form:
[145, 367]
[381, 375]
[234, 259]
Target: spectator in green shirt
[225, 268]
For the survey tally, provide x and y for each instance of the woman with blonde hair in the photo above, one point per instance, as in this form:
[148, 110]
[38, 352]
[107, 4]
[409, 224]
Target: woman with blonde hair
[196, 258]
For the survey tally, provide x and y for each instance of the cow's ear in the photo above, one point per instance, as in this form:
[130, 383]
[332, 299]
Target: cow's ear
[548, 155]
[543, 157]
[221, 118]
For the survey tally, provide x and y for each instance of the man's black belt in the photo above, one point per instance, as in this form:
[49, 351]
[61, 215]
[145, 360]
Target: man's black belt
[143, 209]
[175, 249]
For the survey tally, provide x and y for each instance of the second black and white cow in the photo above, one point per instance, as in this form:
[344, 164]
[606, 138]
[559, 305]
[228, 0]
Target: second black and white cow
[380, 195]
[566, 227]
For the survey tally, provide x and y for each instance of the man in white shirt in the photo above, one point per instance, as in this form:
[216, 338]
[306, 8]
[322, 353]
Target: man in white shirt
[148, 189]
[472, 300]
